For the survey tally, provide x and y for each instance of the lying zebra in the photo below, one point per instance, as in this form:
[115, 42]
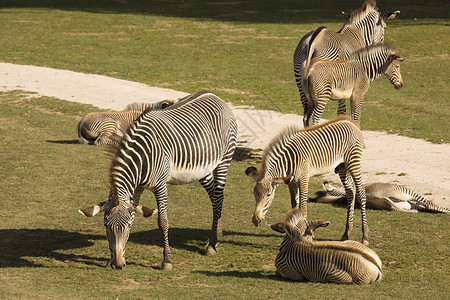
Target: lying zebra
[141, 106]
[98, 128]
[340, 80]
[383, 196]
[300, 258]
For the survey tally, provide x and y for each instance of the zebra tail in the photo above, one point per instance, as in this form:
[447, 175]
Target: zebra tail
[427, 205]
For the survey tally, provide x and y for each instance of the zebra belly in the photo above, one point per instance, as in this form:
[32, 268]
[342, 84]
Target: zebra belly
[341, 94]
[324, 168]
[188, 175]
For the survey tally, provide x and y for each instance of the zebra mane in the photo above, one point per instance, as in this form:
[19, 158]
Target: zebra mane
[279, 142]
[295, 224]
[361, 13]
[372, 50]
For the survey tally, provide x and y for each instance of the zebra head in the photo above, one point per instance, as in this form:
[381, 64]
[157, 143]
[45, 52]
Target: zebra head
[370, 22]
[118, 219]
[297, 227]
[264, 192]
[392, 71]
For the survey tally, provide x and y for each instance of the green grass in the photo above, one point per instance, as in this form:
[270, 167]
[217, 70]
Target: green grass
[48, 250]
[242, 50]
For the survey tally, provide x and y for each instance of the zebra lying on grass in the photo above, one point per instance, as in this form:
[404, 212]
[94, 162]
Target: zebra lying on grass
[300, 258]
[365, 27]
[297, 154]
[193, 140]
[340, 80]
[98, 128]
[141, 106]
[384, 196]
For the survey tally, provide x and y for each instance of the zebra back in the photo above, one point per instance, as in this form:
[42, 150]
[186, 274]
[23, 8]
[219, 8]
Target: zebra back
[190, 136]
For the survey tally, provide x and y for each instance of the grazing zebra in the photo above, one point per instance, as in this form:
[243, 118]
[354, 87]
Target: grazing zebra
[340, 80]
[297, 154]
[141, 106]
[192, 140]
[300, 258]
[384, 196]
[99, 128]
[365, 27]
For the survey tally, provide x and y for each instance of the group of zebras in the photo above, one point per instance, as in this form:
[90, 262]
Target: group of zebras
[194, 138]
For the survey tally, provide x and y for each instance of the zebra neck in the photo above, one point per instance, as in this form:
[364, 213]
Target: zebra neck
[373, 65]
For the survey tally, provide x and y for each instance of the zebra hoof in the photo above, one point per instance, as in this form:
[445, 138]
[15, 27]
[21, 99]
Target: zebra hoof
[365, 242]
[210, 251]
[167, 266]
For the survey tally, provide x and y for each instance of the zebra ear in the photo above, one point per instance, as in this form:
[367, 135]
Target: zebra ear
[144, 210]
[389, 16]
[280, 180]
[346, 14]
[93, 210]
[317, 223]
[278, 227]
[253, 173]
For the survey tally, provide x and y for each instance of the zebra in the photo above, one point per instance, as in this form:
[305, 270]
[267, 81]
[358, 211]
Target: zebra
[339, 80]
[296, 154]
[100, 128]
[141, 106]
[192, 140]
[300, 258]
[383, 196]
[365, 27]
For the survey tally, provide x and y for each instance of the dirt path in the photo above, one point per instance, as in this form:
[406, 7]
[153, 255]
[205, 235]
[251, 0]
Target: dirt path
[420, 165]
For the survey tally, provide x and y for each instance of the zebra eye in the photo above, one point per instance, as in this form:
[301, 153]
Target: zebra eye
[268, 195]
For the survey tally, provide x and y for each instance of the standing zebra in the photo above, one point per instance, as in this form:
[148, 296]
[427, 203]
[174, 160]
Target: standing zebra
[300, 258]
[189, 141]
[340, 80]
[365, 27]
[297, 154]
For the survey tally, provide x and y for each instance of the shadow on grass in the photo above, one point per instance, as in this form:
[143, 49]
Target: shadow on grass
[18, 244]
[257, 11]
[193, 240]
[242, 274]
[64, 142]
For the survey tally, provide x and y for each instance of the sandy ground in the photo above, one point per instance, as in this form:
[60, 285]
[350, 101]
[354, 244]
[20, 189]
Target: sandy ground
[420, 165]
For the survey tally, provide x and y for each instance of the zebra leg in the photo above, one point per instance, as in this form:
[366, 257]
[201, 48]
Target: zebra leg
[305, 104]
[219, 176]
[303, 184]
[356, 103]
[137, 194]
[341, 108]
[347, 182]
[354, 168]
[319, 107]
[209, 184]
[160, 192]
[295, 193]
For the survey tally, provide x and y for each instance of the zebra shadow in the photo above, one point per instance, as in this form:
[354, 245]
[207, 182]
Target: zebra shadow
[242, 274]
[193, 239]
[64, 142]
[19, 246]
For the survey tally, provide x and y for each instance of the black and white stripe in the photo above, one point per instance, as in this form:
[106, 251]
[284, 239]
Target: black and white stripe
[365, 27]
[300, 258]
[341, 80]
[297, 154]
[192, 140]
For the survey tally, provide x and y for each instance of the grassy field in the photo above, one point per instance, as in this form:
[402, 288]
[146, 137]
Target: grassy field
[48, 250]
[243, 51]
